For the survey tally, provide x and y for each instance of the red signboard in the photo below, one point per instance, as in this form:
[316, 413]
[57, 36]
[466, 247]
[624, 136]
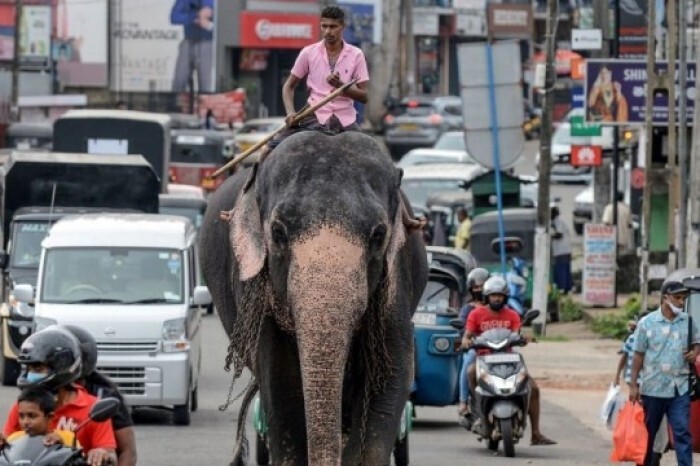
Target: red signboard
[586, 156]
[279, 30]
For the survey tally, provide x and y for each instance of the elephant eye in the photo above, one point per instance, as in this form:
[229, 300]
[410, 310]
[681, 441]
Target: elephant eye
[376, 240]
[279, 235]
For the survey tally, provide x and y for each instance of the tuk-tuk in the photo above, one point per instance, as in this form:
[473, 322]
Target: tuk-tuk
[442, 207]
[437, 367]
[196, 154]
[517, 223]
[25, 135]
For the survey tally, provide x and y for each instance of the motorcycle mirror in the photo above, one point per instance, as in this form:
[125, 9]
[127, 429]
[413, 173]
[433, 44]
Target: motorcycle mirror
[529, 317]
[104, 409]
[457, 323]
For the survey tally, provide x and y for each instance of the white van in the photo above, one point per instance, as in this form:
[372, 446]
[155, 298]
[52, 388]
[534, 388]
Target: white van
[131, 281]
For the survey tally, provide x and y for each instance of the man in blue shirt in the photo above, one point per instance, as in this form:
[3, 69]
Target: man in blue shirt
[196, 52]
[662, 355]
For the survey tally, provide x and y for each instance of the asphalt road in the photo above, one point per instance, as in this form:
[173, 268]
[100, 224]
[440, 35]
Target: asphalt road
[436, 439]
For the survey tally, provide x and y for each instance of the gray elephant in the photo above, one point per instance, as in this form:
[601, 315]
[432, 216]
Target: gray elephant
[315, 266]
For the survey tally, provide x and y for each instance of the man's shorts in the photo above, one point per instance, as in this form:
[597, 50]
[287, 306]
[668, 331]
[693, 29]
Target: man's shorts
[311, 123]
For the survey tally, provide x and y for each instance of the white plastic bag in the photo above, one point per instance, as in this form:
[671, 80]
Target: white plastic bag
[609, 404]
[617, 404]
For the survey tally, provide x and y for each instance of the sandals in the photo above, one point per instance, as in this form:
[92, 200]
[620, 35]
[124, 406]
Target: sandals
[543, 441]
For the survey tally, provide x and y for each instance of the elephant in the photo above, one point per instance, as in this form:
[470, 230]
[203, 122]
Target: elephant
[316, 265]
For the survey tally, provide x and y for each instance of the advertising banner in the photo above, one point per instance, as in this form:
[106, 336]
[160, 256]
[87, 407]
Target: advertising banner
[162, 46]
[632, 31]
[227, 107]
[359, 23]
[599, 256]
[278, 30]
[7, 31]
[616, 92]
[80, 44]
[35, 36]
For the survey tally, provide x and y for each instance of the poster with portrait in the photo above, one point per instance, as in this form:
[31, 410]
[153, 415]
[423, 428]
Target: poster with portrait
[616, 92]
[163, 46]
[80, 43]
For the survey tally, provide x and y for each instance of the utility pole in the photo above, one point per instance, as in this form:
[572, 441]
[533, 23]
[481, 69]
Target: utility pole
[694, 231]
[601, 174]
[410, 71]
[683, 168]
[669, 82]
[14, 114]
[542, 239]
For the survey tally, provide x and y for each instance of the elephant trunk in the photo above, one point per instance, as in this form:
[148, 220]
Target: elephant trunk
[328, 296]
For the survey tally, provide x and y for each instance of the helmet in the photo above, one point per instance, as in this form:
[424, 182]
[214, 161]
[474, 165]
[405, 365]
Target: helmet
[672, 287]
[56, 348]
[88, 348]
[495, 285]
[477, 276]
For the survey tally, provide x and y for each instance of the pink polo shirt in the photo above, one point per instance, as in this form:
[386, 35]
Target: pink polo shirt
[312, 64]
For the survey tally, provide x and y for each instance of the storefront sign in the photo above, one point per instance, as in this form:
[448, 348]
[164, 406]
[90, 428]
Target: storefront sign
[277, 30]
[425, 23]
[35, 36]
[586, 39]
[616, 92]
[632, 32]
[470, 23]
[510, 20]
[599, 264]
[586, 156]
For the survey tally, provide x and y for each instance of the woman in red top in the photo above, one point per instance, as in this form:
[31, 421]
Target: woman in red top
[51, 359]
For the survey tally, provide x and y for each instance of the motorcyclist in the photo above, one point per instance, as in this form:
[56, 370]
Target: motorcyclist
[51, 359]
[100, 386]
[475, 282]
[496, 314]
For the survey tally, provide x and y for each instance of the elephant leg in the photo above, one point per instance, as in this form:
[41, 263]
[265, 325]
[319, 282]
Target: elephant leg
[279, 377]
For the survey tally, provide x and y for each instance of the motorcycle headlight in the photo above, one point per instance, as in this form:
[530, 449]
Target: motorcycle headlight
[174, 336]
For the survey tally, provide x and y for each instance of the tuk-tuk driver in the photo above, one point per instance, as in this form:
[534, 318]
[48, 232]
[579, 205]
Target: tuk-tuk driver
[326, 66]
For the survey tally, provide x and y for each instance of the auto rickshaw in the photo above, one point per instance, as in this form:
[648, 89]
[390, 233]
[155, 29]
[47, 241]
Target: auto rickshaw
[34, 135]
[438, 359]
[196, 154]
[442, 207]
[518, 223]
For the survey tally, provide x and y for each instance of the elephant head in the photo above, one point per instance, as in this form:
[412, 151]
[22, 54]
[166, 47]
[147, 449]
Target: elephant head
[319, 244]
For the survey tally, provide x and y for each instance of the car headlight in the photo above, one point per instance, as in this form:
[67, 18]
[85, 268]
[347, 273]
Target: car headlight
[43, 322]
[174, 336]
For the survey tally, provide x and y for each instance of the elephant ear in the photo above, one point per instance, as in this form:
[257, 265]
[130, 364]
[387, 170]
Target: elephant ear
[246, 233]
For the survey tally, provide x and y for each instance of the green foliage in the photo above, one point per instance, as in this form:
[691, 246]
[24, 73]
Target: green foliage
[570, 310]
[554, 338]
[615, 325]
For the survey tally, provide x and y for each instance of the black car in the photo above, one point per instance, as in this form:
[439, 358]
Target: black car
[419, 121]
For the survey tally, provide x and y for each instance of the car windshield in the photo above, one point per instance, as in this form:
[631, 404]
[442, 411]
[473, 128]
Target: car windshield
[194, 215]
[112, 275]
[451, 141]
[436, 298]
[261, 127]
[197, 153]
[418, 191]
[26, 243]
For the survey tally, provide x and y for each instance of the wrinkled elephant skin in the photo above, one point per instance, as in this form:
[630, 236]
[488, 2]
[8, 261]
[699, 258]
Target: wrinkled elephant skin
[315, 276]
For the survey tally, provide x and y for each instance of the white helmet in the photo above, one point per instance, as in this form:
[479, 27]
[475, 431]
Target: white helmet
[495, 285]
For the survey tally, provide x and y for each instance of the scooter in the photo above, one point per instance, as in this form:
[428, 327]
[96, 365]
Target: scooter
[502, 396]
[31, 451]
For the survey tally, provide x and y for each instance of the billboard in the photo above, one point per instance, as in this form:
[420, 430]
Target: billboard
[80, 43]
[35, 36]
[616, 92]
[160, 46]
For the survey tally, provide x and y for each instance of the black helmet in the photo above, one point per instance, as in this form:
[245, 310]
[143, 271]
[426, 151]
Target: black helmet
[672, 287]
[88, 349]
[495, 285]
[477, 276]
[56, 348]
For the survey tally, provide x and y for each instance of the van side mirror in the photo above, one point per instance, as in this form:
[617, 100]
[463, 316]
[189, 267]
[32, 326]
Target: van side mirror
[4, 259]
[24, 293]
[201, 296]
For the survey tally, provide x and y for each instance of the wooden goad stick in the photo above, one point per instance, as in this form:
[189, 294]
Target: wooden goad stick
[297, 118]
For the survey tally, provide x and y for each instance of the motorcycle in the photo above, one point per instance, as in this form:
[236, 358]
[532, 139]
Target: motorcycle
[31, 451]
[502, 396]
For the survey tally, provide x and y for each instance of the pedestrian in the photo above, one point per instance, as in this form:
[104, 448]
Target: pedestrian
[624, 223]
[660, 368]
[561, 252]
[326, 66]
[210, 120]
[196, 51]
[464, 231]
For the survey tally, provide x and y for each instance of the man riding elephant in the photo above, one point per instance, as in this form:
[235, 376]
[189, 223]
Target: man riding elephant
[315, 272]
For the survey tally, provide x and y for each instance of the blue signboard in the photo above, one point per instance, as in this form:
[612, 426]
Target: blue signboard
[359, 22]
[577, 98]
[616, 92]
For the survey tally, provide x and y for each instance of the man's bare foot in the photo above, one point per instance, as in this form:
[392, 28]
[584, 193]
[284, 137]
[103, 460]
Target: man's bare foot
[540, 439]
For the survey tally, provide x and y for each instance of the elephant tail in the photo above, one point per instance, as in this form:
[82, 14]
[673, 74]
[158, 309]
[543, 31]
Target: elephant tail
[240, 450]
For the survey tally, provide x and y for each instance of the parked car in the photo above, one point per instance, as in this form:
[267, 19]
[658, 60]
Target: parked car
[254, 131]
[451, 140]
[422, 156]
[583, 209]
[562, 170]
[420, 121]
[420, 181]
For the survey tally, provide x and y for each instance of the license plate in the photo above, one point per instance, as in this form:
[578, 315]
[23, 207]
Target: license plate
[501, 358]
[408, 127]
[424, 318]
